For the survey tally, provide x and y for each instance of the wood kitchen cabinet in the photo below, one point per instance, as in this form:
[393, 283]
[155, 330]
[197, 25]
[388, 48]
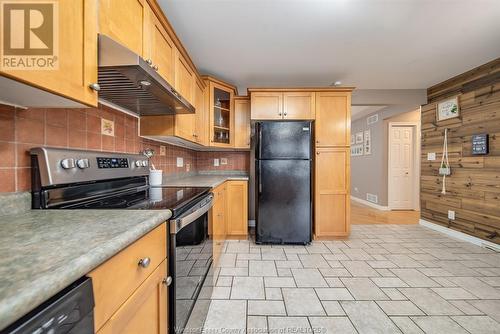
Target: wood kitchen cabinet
[298, 105]
[129, 284]
[237, 209]
[77, 59]
[332, 200]
[242, 122]
[333, 119]
[282, 105]
[266, 105]
[125, 22]
[184, 78]
[159, 49]
[145, 311]
[220, 106]
[217, 223]
[201, 117]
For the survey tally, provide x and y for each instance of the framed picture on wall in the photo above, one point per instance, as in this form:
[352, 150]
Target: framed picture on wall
[359, 138]
[367, 142]
[448, 109]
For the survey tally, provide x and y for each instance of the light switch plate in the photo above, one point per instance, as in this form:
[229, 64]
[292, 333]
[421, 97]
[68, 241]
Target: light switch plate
[431, 156]
[180, 162]
[163, 150]
[451, 215]
[216, 162]
[223, 161]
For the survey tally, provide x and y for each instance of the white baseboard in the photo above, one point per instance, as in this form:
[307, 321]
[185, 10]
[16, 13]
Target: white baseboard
[251, 223]
[460, 235]
[373, 205]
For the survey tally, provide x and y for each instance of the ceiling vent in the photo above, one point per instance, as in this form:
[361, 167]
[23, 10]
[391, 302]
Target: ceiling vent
[372, 119]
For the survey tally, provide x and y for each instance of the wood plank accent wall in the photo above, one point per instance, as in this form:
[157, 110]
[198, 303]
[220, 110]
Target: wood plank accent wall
[473, 189]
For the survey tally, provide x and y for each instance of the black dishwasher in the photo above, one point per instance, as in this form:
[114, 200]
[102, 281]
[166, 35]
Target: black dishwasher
[70, 311]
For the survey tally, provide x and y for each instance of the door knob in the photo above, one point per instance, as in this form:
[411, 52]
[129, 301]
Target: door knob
[95, 87]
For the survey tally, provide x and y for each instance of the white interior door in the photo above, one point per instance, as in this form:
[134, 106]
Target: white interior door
[401, 167]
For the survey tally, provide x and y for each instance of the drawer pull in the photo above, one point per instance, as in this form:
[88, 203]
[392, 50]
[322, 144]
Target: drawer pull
[144, 262]
[167, 281]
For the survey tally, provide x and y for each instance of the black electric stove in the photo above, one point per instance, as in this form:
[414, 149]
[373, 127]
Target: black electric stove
[77, 179]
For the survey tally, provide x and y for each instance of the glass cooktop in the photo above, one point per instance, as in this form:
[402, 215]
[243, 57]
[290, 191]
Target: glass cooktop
[153, 198]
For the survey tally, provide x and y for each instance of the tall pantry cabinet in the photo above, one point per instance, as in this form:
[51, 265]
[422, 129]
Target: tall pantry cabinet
[332, 164]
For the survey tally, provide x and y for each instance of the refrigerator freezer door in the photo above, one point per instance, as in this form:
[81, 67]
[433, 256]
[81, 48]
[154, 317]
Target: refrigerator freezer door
[284, 140]
[283, 201]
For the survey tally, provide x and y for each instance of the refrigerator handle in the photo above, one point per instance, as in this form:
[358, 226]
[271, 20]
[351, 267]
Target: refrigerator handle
[260, 143]
[259, 176]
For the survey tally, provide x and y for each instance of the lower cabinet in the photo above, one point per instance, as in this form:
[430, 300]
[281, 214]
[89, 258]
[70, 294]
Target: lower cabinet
[237, 209]
[332, 198]
[145, 311]
[129, 290]
[218, 221]
[228, 218]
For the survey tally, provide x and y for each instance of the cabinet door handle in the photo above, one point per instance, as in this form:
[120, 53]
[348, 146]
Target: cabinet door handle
[145, 262]
[285, 113]
[95, 86]
[167, 281]
[317, 153]
[149, 61]
[155, 67]
[279, 114]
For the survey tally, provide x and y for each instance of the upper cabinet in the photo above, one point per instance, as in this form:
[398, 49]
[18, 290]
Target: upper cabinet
[159, 49]
[125, 22]
[266, 105]
[184, 78]
[201, 117]
[76, 66]
[221, 112]
[298, 105]
[275, 105]
[333, 118]
[242, 122]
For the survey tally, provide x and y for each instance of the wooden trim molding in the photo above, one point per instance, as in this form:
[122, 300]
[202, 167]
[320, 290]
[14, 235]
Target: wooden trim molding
[302, 89]
[221, 82]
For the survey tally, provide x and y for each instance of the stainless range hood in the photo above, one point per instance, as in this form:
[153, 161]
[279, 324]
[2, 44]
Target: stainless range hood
[128, 81]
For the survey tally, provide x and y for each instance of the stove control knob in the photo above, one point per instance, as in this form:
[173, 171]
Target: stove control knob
[145, 163]
[82, 163]
[68, 163]
[138, 163]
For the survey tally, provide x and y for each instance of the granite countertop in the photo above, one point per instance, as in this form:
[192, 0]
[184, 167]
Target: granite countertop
[204, 180]
[43, 251]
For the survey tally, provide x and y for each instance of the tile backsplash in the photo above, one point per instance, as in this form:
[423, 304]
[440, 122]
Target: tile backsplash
[22, 129]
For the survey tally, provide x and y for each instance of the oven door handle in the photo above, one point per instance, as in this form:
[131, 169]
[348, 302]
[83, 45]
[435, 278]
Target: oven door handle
[177, 224]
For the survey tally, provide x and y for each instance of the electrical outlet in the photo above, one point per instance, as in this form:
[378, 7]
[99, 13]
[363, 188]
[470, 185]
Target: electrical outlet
[223, 161]
[180, 162]
[356, 189]
[216, 162]
[163, 150]
[431, 156]
[188, 167]
[451, 215]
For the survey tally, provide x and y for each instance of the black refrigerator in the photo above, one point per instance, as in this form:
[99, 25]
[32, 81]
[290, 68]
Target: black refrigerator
[283, 172]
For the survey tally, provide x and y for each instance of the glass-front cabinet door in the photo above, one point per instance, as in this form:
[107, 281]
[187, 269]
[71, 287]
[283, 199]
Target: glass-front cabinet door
[222, 115]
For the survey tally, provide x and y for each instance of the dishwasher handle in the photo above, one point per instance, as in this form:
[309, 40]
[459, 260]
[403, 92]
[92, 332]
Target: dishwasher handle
[190, 216]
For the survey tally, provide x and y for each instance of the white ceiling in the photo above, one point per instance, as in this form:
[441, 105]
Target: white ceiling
[370, 44]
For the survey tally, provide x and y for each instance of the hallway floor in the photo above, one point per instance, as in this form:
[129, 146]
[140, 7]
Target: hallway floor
[384, 279]
[362, 214]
